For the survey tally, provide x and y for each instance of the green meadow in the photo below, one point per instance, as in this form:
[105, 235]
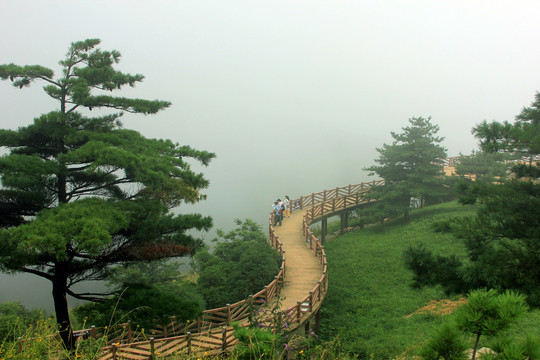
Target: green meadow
[370, 306]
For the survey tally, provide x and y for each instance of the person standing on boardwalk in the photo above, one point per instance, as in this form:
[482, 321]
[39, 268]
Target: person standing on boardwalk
[287, 204]
[278, 213]
[282, 208]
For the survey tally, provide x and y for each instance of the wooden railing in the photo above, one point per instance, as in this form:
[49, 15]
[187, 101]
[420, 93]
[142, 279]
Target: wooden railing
[329, 202]
[327, 195]
[196, 334]
[211, 333]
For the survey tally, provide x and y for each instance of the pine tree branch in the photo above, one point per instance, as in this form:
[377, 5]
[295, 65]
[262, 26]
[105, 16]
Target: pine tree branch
[38, 273]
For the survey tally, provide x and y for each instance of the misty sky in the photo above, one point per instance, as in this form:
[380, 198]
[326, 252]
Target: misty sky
[292, 96]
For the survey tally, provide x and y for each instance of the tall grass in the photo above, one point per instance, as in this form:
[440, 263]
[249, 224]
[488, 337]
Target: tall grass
[369, 294]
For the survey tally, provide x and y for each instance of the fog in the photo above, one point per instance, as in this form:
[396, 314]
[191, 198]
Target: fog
[292, 96]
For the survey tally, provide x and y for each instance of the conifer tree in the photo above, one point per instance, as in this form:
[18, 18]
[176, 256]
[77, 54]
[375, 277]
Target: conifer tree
[80, 194]
[411, 169]
[503, 239]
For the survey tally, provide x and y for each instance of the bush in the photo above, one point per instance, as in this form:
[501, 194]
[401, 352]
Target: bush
[447, 342]
[15, 318]
[442, 226]
[145, 305]
[241, 264]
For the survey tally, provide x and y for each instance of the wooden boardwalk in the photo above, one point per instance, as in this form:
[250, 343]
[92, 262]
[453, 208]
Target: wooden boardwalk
[302, 268]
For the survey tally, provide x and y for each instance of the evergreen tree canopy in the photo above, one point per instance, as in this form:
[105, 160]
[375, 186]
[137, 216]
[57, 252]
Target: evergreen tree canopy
[503, 239]
[80, 194]
[482, 166]
[410, 167]
[520, 139]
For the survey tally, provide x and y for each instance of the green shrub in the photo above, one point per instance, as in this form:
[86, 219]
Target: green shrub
[447, 342]
[442, 226]
[15, 319]
[256, 343]
[241, 264]
[145, 305]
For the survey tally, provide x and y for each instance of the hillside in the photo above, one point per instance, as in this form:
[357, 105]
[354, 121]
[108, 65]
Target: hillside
[370, 305]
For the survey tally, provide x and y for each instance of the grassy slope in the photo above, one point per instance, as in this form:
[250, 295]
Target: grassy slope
[369, 294]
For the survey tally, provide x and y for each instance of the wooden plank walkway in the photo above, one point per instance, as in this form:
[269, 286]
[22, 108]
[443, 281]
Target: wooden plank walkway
[302, 268]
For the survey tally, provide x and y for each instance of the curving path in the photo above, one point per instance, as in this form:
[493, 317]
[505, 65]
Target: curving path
[302, 268]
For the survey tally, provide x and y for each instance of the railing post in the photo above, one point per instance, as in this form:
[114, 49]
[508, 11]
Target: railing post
[152, 348]
[228, 314]
[189, 342]
[199, 320]
[310, 301]
[320, 291]
[129, 331]
[299, 312]
[224, 338]
[114, 349]
[301, 202]
[93, 331]
[19, 344]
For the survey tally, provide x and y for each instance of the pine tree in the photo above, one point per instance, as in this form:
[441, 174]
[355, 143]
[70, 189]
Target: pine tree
[503, 239]
[81, 194]
[411, 169]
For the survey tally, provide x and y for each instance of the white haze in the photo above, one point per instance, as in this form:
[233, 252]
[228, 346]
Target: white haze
[292, 96]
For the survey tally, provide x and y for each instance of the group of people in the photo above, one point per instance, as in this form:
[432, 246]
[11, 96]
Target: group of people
[280, 209]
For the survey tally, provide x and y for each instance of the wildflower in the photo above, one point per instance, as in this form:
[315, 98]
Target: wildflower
[301, 351]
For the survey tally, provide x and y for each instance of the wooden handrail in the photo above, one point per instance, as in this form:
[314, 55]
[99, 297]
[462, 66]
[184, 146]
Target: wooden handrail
[212, 332]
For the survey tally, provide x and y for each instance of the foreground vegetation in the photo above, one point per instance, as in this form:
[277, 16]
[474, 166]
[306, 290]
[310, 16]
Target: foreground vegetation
[370, 304]
[370, 311]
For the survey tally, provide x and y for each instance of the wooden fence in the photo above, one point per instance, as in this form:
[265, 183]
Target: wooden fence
[329, 202]
[211, 333]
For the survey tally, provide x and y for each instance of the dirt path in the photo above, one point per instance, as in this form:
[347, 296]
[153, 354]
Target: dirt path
[302, 267]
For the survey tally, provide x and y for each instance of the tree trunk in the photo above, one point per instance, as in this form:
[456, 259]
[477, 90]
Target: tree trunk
[62, 312]
[475, 346]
